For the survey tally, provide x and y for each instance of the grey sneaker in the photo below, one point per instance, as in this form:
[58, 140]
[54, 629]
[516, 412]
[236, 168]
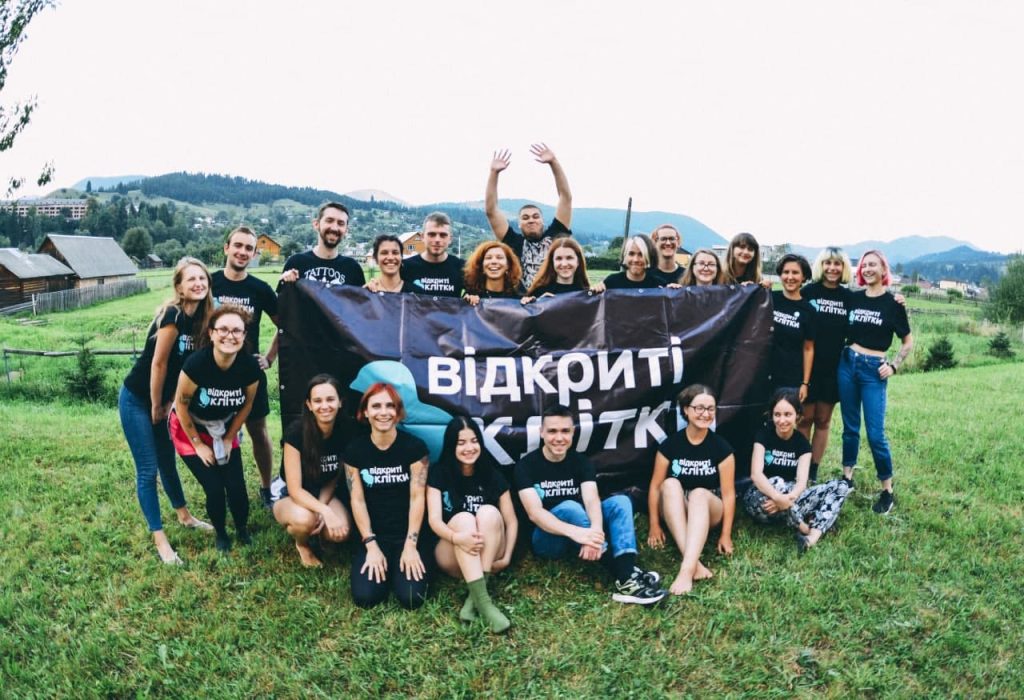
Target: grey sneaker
[633, 590]
[651, 579]
[885, 503]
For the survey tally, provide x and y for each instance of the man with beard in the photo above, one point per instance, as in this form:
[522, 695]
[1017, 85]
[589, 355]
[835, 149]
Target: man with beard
[666, 241]
[234, 285]
[323, 263]
[534, 240]
[435, 271]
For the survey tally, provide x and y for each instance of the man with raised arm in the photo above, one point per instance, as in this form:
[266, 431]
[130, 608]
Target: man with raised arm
[558, 490]
[435, 271]
[324, 263]
[234, 285]
[532, 240]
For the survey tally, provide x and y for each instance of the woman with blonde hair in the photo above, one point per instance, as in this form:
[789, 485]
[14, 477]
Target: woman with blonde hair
[637, 256]
[145, 399]
[704, 270]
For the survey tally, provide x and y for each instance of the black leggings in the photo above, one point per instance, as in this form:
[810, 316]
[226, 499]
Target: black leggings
[367, 593]
[219, 481]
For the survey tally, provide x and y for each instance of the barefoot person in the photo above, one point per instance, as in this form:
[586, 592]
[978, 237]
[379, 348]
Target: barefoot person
[470, 510]
[216, 390]
[530, 245]
[148, 391]
[234, 285]
[307, 497]
[779, 467]
[558, 488]
[386, 474]
[693, 488]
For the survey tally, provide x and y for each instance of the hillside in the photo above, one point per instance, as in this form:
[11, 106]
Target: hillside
[899, 250]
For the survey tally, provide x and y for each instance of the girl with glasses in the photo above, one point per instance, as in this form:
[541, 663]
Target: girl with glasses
[705, 269]
[693, 488]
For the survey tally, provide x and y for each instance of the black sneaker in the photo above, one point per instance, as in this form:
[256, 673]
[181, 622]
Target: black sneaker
[223, 543]
[651, 579]
[633, 590]
[849, 483]
[884, 504]
[265, 497]
[244, 537]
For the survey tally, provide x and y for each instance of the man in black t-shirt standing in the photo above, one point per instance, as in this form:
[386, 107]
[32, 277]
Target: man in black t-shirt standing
[234, 285]
[558, 490]
[533, 242]
[435, 271]
[324, 263]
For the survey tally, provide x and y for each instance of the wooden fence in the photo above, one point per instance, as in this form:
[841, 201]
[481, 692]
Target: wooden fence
[69, 299]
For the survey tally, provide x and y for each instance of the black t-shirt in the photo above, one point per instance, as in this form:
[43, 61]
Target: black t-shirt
[874, 320]
[137, 380]
[531, 252]
[386, 476]
[332, 456]
[664, 278]
[556, 288]
[554, 482]
[333, 272]
[794, 323]
[465, 494]
[219, 393]
[619, 280]
[832, 308]
[781, 456]
[695, 466]
[488, 294]
[252, 294]
[443, 279]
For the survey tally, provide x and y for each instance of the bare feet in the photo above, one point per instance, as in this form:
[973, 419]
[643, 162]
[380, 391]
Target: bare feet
[682, 584]
[306, 555]
[804, 528]
[702, 572]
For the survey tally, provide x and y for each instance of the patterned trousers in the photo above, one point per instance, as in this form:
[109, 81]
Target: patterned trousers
[818, 505]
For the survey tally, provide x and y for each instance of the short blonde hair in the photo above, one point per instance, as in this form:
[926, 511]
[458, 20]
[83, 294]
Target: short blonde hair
[832, 253]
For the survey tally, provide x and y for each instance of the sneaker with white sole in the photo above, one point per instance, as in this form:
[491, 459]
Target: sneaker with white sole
[651, 579]
[885, 503]
[633, 590]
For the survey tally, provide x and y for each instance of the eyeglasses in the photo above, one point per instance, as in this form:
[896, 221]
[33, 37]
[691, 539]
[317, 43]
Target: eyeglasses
[232, 332]
[706, 264]
[703, 410]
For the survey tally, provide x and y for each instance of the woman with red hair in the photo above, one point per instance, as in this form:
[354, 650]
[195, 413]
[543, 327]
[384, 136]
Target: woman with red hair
[864, 369]
[492, 272]
[386, 473]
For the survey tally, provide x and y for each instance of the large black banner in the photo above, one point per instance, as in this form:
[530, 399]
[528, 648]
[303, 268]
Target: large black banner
[617, 359]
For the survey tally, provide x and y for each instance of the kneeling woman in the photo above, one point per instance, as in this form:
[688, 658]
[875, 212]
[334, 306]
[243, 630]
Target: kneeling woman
[386, 473]
[470, 509]
[779, 467]
[693, 487]
[216, 390]
[306, 495]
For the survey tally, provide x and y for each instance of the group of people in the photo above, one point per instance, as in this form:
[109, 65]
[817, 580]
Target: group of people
[201, 378]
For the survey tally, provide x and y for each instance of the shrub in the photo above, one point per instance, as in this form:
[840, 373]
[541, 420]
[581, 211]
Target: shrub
[999, 346]
[940, 355]
[954, 294]
[910, 289]
[86, 383]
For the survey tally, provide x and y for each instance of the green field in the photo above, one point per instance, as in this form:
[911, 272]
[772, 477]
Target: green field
[924, 602]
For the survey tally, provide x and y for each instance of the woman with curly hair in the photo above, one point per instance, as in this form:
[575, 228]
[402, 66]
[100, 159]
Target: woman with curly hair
[492, 272]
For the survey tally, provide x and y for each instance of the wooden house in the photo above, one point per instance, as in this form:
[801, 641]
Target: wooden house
[94, 260]
[267, 248]
[24, 274]
[412, 243]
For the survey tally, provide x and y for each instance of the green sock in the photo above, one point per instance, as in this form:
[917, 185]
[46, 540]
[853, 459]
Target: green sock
[488, 610]
[468, 612]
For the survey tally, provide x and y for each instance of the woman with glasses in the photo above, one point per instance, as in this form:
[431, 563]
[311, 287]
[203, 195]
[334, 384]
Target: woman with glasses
[667, 239]
[780, 464]
[216, 391]
[864, 369]
[705, 269]
[148, 391]
[693, 488]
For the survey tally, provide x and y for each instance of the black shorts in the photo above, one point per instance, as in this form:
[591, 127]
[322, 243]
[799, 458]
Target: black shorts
[824, 388]
[261, 406]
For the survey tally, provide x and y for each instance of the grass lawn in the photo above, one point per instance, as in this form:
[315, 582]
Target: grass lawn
[923, 602]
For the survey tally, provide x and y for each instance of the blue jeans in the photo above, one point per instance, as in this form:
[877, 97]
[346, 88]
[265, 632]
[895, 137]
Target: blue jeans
[617, 513]
[860, 385]
[153, 454]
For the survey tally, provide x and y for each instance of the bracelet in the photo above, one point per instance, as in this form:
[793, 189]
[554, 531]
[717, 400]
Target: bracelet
[804, 384]
[369, 538]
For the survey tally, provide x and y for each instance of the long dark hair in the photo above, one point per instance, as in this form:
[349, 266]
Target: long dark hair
[449, 463]
[312, 438]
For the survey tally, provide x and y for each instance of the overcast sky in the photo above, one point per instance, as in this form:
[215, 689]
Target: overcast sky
[811, 122]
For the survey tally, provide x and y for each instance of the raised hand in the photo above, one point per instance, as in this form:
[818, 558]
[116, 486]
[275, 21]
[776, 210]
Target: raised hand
[542, 153]
[501, 160]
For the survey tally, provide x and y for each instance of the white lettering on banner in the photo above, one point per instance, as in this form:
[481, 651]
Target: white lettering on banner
[575, 373]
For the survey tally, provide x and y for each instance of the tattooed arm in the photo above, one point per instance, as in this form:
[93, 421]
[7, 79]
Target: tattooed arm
[182, 398]
[410, 563]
